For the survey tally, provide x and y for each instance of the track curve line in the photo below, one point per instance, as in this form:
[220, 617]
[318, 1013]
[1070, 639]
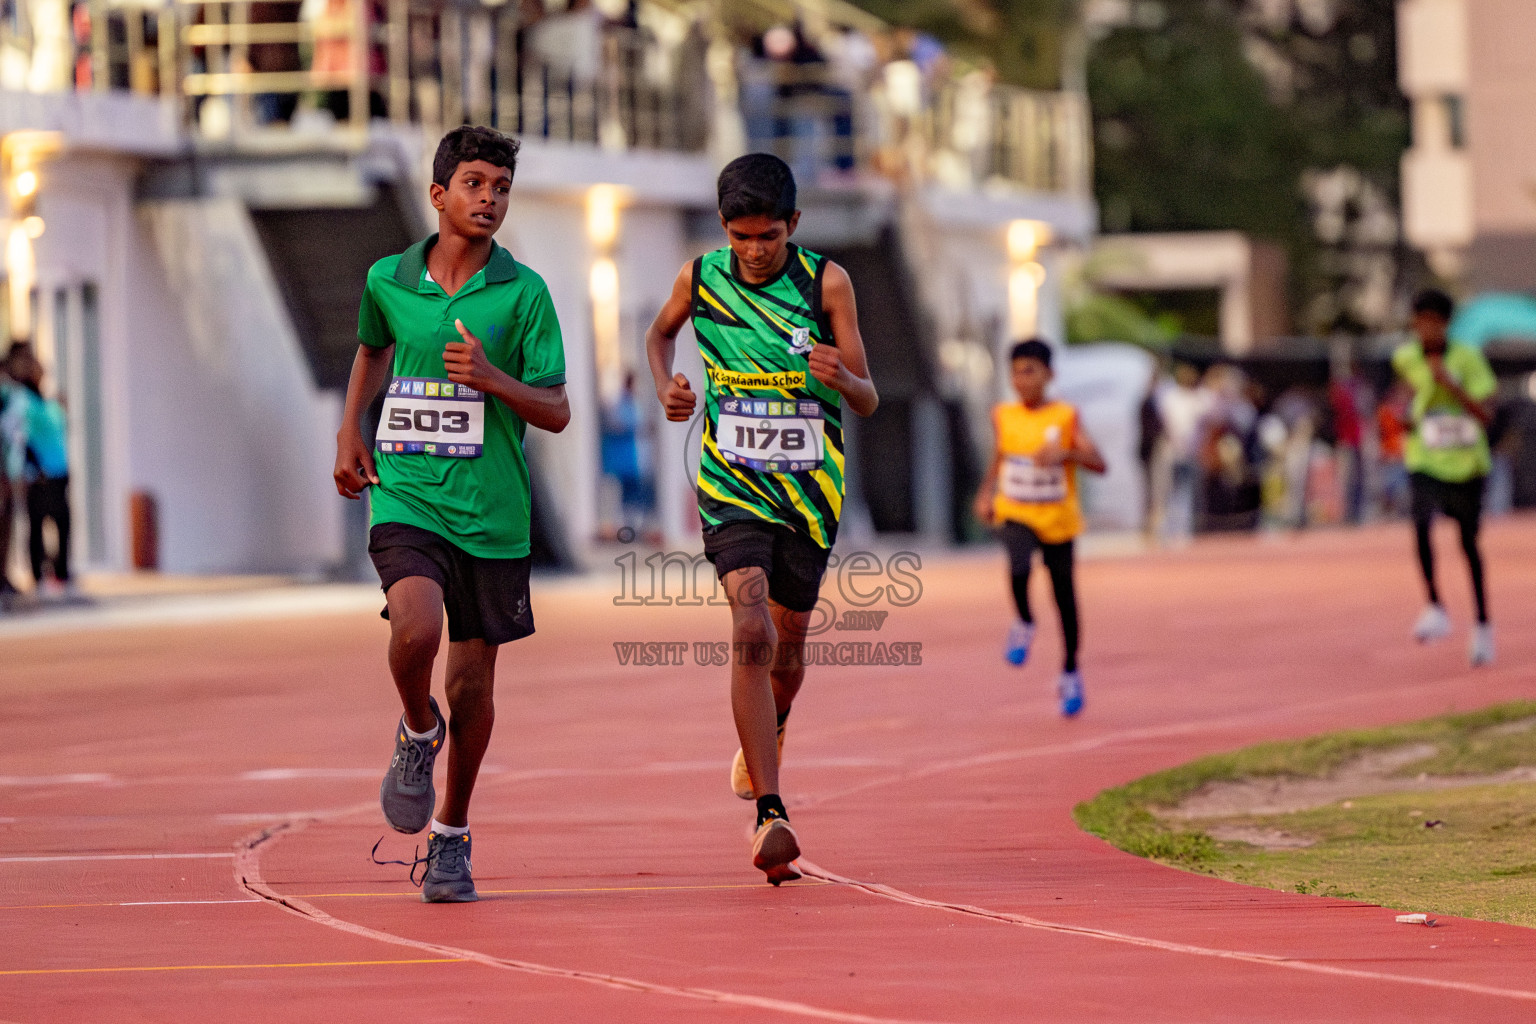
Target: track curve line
[1022, 921]
[248, 875]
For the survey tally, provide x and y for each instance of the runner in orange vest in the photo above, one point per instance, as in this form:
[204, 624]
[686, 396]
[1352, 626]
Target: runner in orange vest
[1030, 493]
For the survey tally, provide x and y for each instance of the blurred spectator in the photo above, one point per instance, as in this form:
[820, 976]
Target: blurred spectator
[1227, 444]
[1182, 407]
[38, 460]
[270, 107]
[11, 436]
[1151, 432]
[333, 24]
[1348, 401]
[626, 458]
[1298, 415]
[1392, 429]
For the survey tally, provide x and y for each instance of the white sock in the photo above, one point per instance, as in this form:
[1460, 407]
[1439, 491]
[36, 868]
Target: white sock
[419, 736]
[448, 830]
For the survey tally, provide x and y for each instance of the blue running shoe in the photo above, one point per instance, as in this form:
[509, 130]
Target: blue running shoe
[1070, 689]
[1020, 635]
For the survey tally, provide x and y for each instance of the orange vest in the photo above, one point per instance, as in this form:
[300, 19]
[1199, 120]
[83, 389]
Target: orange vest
[1043, 498]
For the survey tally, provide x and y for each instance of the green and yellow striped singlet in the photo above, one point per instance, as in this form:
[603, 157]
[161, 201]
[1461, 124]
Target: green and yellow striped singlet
[773, 437]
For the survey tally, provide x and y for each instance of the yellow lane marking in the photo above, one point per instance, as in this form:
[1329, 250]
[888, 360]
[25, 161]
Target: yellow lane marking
[413, 892]
[233, 967]
[524, 892]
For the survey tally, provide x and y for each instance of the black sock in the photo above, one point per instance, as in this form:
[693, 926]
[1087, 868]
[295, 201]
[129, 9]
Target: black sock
[770, 806]
[783, 717]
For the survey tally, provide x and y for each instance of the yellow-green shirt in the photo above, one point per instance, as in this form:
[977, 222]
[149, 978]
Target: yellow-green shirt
[1447, 442]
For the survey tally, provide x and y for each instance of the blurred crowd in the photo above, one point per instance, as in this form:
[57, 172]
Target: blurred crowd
[1222, 451]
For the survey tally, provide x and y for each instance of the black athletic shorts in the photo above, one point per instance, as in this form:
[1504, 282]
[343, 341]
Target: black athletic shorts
[1461, 501]
[486, 598]
[794, 563]
[1021, 543]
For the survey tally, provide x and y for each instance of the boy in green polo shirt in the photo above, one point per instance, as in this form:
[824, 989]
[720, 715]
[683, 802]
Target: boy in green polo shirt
[779, 333]
[1446, 454]
[469, 343]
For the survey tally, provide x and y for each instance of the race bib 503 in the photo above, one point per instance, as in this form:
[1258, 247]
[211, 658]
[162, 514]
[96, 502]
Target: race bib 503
[770, 436]
[423, 416]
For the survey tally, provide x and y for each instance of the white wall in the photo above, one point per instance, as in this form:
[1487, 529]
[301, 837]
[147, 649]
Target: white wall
[1107, 383]
[549, 236]
[228, 430]
[652, 247]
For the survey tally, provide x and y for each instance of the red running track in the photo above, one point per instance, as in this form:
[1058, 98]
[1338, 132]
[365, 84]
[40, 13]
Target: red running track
[186, 812]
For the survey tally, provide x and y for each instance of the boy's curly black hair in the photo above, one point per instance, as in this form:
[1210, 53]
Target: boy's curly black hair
[758, 184]
[473, 142]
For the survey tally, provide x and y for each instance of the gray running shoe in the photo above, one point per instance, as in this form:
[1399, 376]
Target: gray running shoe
[406, 794]
[447, 879]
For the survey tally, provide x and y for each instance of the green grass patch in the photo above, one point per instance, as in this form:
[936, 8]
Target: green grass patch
[1477, 863]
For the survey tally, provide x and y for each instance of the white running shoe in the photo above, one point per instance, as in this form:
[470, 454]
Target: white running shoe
[1480, 650]
[741, 779]
[774, 851]
[1433, 625]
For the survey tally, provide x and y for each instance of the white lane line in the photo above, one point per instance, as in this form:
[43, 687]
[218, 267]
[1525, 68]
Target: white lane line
[248, 875]
[116, 856]
[1268, 959]
[72, 779]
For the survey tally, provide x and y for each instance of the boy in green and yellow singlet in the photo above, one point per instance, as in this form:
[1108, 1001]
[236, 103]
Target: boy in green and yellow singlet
[779, 333]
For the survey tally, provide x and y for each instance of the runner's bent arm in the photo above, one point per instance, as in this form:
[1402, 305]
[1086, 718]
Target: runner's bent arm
[987, 492]
[842, 365]
[673, 390]
[466, 362]
[1084, 452]
[354, 462]
[1480, 410]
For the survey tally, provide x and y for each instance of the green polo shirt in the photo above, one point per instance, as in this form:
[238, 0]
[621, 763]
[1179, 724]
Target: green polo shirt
[480, 504]
[1453, 463]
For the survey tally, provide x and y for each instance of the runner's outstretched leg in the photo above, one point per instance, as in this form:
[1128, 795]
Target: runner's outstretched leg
[471, 715]
[1469, 527]
[752, 702]
[1421, 535]
[789, 662]
[1058, 562]
[415, 634]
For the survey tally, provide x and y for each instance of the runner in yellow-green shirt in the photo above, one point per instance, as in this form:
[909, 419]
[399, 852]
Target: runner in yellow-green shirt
[1446, 454]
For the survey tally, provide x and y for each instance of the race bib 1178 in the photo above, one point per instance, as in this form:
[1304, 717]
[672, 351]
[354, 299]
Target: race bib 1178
[770, 436]
[423, 416]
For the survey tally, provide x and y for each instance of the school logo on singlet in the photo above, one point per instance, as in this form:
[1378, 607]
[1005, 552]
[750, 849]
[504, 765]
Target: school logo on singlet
[800, 341]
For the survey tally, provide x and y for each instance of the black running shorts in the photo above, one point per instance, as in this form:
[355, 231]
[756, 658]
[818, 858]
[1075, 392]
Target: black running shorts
[794, 563]
[1021, 544]
[1462, 501]
[486, 598]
